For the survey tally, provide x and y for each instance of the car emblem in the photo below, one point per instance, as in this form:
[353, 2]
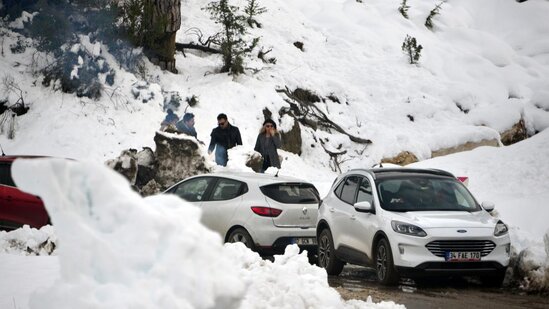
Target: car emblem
[304, 210]
[462, 231]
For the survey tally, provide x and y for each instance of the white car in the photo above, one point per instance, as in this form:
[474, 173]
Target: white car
[264, 212]
[412, 222]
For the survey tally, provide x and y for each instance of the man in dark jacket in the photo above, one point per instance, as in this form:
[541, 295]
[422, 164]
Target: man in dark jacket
[186, 125]
[224, 137]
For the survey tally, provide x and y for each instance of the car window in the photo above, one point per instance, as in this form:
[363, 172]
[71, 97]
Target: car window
[227, 189]
[292, 193]
[193, 190]
[339, 188]
[425, 194]
[348, 193]
[5, 175]
[364, 191]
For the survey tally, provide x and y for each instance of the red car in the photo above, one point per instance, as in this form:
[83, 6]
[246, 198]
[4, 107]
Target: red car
[18, 208]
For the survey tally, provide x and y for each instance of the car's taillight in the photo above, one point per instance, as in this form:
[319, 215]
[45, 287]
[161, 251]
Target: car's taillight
[464, 180]
[266, 211]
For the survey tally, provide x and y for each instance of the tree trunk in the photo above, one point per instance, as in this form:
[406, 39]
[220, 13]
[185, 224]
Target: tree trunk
[167, 14]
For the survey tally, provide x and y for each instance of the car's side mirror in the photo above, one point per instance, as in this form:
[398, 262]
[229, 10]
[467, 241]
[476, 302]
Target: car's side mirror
[488, 206]
[364, 206]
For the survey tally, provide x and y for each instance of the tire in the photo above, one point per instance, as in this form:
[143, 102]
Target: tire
[241, 235]
[494, 280]
[326, 254]
[385, 267]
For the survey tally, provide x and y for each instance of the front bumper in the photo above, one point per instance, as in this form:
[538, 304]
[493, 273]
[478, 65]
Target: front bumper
[410, 252]
[450, 268]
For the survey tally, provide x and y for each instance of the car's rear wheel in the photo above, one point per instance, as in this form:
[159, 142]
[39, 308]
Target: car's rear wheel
[241, 235]
[493, 280]
[326, 254]
[385, 267]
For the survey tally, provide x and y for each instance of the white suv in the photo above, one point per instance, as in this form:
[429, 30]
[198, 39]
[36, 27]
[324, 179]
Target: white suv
[264, 212]
[412, 222]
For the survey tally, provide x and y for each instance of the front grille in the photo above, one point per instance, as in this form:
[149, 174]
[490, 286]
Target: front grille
[440, 247]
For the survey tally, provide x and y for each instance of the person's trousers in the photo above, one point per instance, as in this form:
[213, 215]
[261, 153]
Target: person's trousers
[221, 156]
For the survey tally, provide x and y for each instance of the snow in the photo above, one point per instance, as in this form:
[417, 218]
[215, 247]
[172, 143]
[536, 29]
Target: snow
[515, 179]
[489, 58]
[117, 249]
[19, 23]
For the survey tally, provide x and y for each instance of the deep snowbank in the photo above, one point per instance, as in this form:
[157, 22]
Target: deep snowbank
[118, 250]
[514, 178]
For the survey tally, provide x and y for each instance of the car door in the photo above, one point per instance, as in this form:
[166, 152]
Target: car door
[222, 204]
[342, 210]
[364, 224]
[193, 190]
[17, 207]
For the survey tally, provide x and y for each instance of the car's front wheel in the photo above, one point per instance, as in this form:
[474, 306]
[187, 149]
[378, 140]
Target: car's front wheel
[241, 235]
[326, 254]
[385, 267]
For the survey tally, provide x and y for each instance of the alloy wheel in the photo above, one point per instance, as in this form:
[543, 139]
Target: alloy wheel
[381, 262]
[324, 251]
[240, 238]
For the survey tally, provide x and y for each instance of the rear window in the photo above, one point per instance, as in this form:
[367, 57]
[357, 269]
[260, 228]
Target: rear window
[5, 175]
[292, 193]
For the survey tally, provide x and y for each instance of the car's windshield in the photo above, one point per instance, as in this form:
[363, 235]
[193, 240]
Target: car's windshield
[424, 193]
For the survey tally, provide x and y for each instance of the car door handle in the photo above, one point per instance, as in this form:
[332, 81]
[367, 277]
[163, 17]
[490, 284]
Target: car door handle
[332, 209]
[353, 217]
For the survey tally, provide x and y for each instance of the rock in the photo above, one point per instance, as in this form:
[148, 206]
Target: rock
[151, 188]
[464, 147]
[254, 161]
[177, 157]
[126, 164]
[403, 158]
[144, 175]
[515, 134]
[146, 157]
[291, 140]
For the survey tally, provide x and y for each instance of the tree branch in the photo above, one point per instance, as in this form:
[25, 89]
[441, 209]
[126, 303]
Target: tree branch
[182, 46]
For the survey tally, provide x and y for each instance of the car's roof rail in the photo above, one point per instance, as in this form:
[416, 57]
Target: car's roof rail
[369, 171]
[375, 171]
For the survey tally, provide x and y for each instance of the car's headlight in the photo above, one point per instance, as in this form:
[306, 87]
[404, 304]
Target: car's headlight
[408, 229]
[501, 229]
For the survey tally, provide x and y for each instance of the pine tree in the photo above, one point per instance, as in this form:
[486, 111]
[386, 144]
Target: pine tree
[403, 9]
[253, 9]
[433, 13]
[411, 48]
[233, 46]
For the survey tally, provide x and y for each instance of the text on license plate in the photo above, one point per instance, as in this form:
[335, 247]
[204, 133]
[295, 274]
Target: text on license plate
[305, 241]
[462, 256]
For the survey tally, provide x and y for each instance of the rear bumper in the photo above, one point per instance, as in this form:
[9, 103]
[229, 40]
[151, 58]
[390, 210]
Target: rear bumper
[280, 244]
[452, 268]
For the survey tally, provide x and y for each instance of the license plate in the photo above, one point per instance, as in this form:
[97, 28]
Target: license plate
[305, 241]
[462, 256]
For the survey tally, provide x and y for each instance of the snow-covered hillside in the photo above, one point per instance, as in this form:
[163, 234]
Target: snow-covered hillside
[484, 66]
[491, 58]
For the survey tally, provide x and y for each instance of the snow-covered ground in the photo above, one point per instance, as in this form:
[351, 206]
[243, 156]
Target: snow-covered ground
[118, 250]
[488, 57]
